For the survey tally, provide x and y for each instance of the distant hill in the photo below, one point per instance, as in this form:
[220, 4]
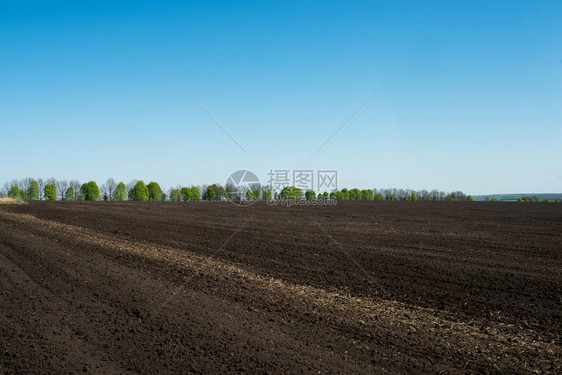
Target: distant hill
[514, 197]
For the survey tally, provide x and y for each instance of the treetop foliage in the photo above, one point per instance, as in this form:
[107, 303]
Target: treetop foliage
[90, 191]
[196, 193]
[120, 192]
[33, 191]
[175, 195]
[291, 192]
[139, 192]
[154, 191]
[210, 194]
[186, 194]
[50, 192]
[69, 194]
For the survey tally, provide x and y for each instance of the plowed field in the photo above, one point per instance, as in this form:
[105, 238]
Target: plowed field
[360, 287]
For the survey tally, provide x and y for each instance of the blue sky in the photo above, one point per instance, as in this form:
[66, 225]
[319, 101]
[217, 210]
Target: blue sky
[478, 108]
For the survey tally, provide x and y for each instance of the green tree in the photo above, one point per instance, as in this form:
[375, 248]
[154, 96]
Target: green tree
[175, 195]
[366, 195]
[228, 192]
[379, 197]
[16, 192]
[291, 192]
[257, 195]
[139, 192]
[69, 194]
[154, 192]
[345, 193]
[120, 192]
[186, 194]
[352, 195]
[356, 194]
[414, 196]
[33, 192]
[250, 195]
[470, 199]
[50, 192]
[310, 195]
[196, 193]
[211, 193]
[337, 195]
[497, 200]
[217, 190]
[268, 195]
[90, 191]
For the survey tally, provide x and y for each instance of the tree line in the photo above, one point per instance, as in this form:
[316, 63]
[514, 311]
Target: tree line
[535, 199]
[52, 189]
[136, 190]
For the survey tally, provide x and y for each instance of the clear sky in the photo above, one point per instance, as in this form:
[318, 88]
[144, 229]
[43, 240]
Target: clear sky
[478, 108]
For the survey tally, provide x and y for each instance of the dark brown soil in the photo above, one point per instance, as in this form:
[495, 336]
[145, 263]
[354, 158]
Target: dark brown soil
[360, 287]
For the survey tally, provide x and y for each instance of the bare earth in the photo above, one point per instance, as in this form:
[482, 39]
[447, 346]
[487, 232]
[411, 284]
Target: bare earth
[361, 287]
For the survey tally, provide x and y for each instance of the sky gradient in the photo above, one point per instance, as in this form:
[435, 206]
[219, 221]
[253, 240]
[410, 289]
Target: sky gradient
[478, 108]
